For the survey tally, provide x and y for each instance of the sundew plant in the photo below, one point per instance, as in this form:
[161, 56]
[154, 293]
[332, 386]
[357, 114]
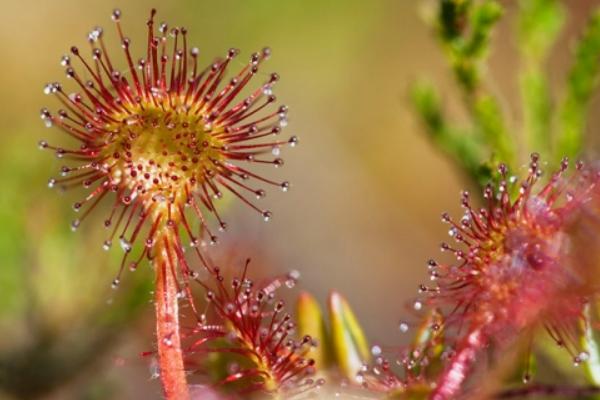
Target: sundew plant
[165, 141]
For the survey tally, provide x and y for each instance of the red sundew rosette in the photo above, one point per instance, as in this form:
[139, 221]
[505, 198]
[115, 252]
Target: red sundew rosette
[523, 263]
[246, 324]
[165, 138]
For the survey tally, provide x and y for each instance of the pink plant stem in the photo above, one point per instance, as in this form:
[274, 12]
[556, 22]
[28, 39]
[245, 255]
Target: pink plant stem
[450, 383]
[170, 356]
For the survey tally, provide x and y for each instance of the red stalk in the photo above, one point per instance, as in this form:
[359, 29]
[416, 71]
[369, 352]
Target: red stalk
[450, 384]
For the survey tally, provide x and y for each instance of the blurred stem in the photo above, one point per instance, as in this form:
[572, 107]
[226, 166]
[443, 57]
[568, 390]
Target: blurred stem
[450, 382]
[170, 356]
[562, 392]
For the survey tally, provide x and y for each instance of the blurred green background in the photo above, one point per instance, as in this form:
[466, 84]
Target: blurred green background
[362, 216]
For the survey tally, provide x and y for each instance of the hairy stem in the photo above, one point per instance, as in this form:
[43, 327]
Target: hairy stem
[172, 372]
[450, 384]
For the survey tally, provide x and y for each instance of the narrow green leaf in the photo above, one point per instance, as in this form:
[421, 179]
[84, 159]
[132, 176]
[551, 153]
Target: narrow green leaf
[482, 20]
[462, 147]
[348, 339]
[309, 317]
[588, 341]
[464, 27]
[540, 22]
[490, 125]
[452, 18]
[583, 80]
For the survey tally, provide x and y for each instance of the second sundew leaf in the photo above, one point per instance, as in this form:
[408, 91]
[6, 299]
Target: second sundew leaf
[583, 80]
[310, 320]
[348, 339]
[540, 22]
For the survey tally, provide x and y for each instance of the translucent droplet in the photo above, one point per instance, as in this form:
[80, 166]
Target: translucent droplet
[376, 350]
[285, 186]
[95, 34]
[107, 244]
[267, 215]
[48, 88]
[125, 245]
[359, 378]
[403, 326]
[65, 60]
[417, 305]
[115, 283]
[75, 224]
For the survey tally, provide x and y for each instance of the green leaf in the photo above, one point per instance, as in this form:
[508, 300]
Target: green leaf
[452, 18]
[483, 18]
[309, 318]
[590, 345]
[490, 125]
[462, 147]
[540, 22]
[348, 339]
[464, 27]
[583, 80]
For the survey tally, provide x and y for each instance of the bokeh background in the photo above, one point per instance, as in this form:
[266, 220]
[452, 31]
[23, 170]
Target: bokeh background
[362, 216]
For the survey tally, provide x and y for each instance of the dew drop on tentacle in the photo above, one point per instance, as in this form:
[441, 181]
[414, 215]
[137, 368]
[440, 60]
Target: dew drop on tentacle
[267, 215]
[75, 224]
[292, 278]
[403, 326]
[125, 244]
